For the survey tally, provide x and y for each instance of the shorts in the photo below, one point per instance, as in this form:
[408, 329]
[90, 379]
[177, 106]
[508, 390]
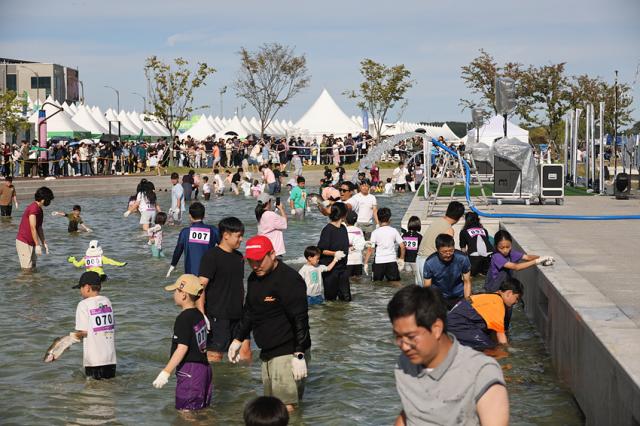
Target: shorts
[479, 265]
[354, 270]
[400, 187]
[147, 217]
[385, 270]
[367, 228]
[299, 213]
[26, 255]
[101, 372]
[278, 381]
[207, 196]
[175, 215]
[193, 386]
[221, 334]
[5, 210]
[315, 300]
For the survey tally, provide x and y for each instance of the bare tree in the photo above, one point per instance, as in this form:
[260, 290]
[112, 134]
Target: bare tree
[383, 87]
[269, 78]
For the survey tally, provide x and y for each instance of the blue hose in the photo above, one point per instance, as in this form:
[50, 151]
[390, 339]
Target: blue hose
[521, 215]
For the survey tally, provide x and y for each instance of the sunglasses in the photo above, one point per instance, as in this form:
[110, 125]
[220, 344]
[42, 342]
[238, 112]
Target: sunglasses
[344, 190]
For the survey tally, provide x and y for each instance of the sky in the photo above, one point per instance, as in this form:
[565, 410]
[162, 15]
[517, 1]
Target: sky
[109, 41]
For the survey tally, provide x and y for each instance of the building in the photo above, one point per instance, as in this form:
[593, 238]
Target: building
[38, 80]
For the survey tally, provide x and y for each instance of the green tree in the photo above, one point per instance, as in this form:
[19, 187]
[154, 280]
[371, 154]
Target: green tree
[11, 119]
[382, 89]
[269, 78]
[172, 90]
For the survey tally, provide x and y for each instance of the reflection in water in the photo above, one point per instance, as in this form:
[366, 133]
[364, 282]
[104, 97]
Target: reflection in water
[350, 379]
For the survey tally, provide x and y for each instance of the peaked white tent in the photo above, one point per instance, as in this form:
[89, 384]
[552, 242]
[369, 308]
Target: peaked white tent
[493, 129]
[236, 127]
[448, 134]
[213, 123]
[326, 117]
[144, 125]
[247, 124]
[85, 120]
[99, 117]
[59, 124]
[201, 130]
[126, 121]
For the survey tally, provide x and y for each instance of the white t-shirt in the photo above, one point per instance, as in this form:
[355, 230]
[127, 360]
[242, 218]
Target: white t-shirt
[177, 193]
[206, 188]
[353, 202]
[95, 316]
[386, 240]
[401, 175]
[145, 205]
[312, 276]
[356, 245]
[366, 203]
[246, 188]
[388, 188]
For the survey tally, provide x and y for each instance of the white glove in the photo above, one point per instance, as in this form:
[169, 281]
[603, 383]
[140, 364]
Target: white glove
[550, 261]
[234, 351]
[127, 213]
[46, 248]
[161, 380]
[541, 260]
[38, 250]
[208, 323]
[74, 337]
[326, 203]
[299, 368]
[171, 268]
[400, 264]
[365, 269]
[339, 255]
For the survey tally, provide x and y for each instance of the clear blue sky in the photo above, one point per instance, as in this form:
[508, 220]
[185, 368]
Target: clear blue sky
[109, 40]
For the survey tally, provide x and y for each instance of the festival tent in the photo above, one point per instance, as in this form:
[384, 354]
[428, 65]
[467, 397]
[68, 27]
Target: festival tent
[112, 117]
[213, 123]
[155, 124]
[84, 119]
[99, 117]
[493, 129]
[68, 109]
[124, 119]
[255, 124]
[289, 124]
[448, 134]
[247, 124]
[73, 107]
[219, 123]
[326, 117]
[147, 129]
[201, 130]
[60, 124]
[236, 127]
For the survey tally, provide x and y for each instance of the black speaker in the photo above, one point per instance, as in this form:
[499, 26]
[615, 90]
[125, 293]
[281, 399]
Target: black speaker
[477, 115]
[551, 180]
[622, 186]
[505, 95]
[506, 176]
[484, 167]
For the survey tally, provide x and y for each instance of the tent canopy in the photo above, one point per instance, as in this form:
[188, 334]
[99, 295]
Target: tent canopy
[201, 130]
[326, 117]
[494, 129]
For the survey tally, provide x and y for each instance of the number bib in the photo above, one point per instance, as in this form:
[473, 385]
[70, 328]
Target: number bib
[93, 261]
[411, 243]
[200, 331]
[199, 235]
[102, 319]
[476, 232]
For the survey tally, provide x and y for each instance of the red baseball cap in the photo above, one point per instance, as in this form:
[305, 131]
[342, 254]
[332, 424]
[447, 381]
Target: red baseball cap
[257, 247]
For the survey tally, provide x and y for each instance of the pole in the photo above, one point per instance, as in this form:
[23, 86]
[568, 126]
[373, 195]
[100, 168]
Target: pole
[568, 123]
[574, 148]
[592, 132]
[117, 96]
[615, 127]
[37, 83]
[587, 139]
[601, 167]
[144, 101]
[82, 87]
[223, 90]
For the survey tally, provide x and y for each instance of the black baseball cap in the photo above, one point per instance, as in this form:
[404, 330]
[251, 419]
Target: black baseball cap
[91, 278]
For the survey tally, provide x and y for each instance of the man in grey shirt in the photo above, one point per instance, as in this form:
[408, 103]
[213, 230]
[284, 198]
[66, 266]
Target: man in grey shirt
[440, 381]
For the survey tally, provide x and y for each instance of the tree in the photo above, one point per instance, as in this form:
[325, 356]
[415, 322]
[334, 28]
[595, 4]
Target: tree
[383, 87]
[11, 118]
[172, 90]
[269, 78]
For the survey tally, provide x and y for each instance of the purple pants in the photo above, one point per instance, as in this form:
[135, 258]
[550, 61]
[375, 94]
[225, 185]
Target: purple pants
[194, 387]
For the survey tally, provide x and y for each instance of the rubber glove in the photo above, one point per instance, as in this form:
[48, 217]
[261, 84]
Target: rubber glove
[400, 264]
[171, 268]
[299, 368]
[234, 351]
[339, 255]
[127, 213]
[541, 260]
[550, 261]
[161, 380]
[71, 259]
[38, 250]
[206, 320]
[46, 248]
[365, 269]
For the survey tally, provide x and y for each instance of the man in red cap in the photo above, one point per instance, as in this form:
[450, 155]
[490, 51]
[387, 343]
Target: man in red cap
[276, 311]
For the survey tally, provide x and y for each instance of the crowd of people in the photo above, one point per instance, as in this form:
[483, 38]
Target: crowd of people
[437, 323]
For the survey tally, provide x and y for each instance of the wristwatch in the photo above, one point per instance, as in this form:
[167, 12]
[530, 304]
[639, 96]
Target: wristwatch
[299, 355]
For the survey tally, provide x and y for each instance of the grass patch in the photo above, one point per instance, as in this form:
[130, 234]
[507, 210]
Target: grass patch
[445, 191]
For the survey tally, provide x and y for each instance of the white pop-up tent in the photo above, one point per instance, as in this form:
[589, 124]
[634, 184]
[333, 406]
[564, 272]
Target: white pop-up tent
[494, 129]
[201, 130]
[85, 120]
[59, 124]
[325, 117]
[234, 126]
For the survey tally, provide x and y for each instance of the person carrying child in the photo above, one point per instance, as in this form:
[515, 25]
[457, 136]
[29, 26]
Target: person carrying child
[188, 348]
[480, 322]
[412, 239]
[94, 259]
[474, 241]
[312, 271]
[357, 243]
[385, 239]
[75, 221]
[155, 235]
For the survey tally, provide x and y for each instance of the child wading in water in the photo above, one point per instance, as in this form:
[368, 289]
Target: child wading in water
[206, 188]
[474, 241]
[412, 240]
[356, 245]
[75, 220]
[188, 348]
[155, 235]
[94, 259]
[312, 273]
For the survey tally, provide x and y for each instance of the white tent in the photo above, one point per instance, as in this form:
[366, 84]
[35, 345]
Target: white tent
[59, 124]
[213, 123]
[201, 130]
[124, 119]
[155, 124]
[99, 117]
[247, 124]
[448, 134]
[112, 117]
[85, 120]
[147, 130]
[255, 124]
[494, 129]
[326, 117]
[234, 126]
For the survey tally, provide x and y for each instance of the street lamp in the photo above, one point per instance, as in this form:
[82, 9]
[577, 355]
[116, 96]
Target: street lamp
[144, 100]
[223, 90]
[117, 96]
[37, 82]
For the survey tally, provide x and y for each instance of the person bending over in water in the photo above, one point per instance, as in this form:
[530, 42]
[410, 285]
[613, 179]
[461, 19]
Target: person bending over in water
[75, 221]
